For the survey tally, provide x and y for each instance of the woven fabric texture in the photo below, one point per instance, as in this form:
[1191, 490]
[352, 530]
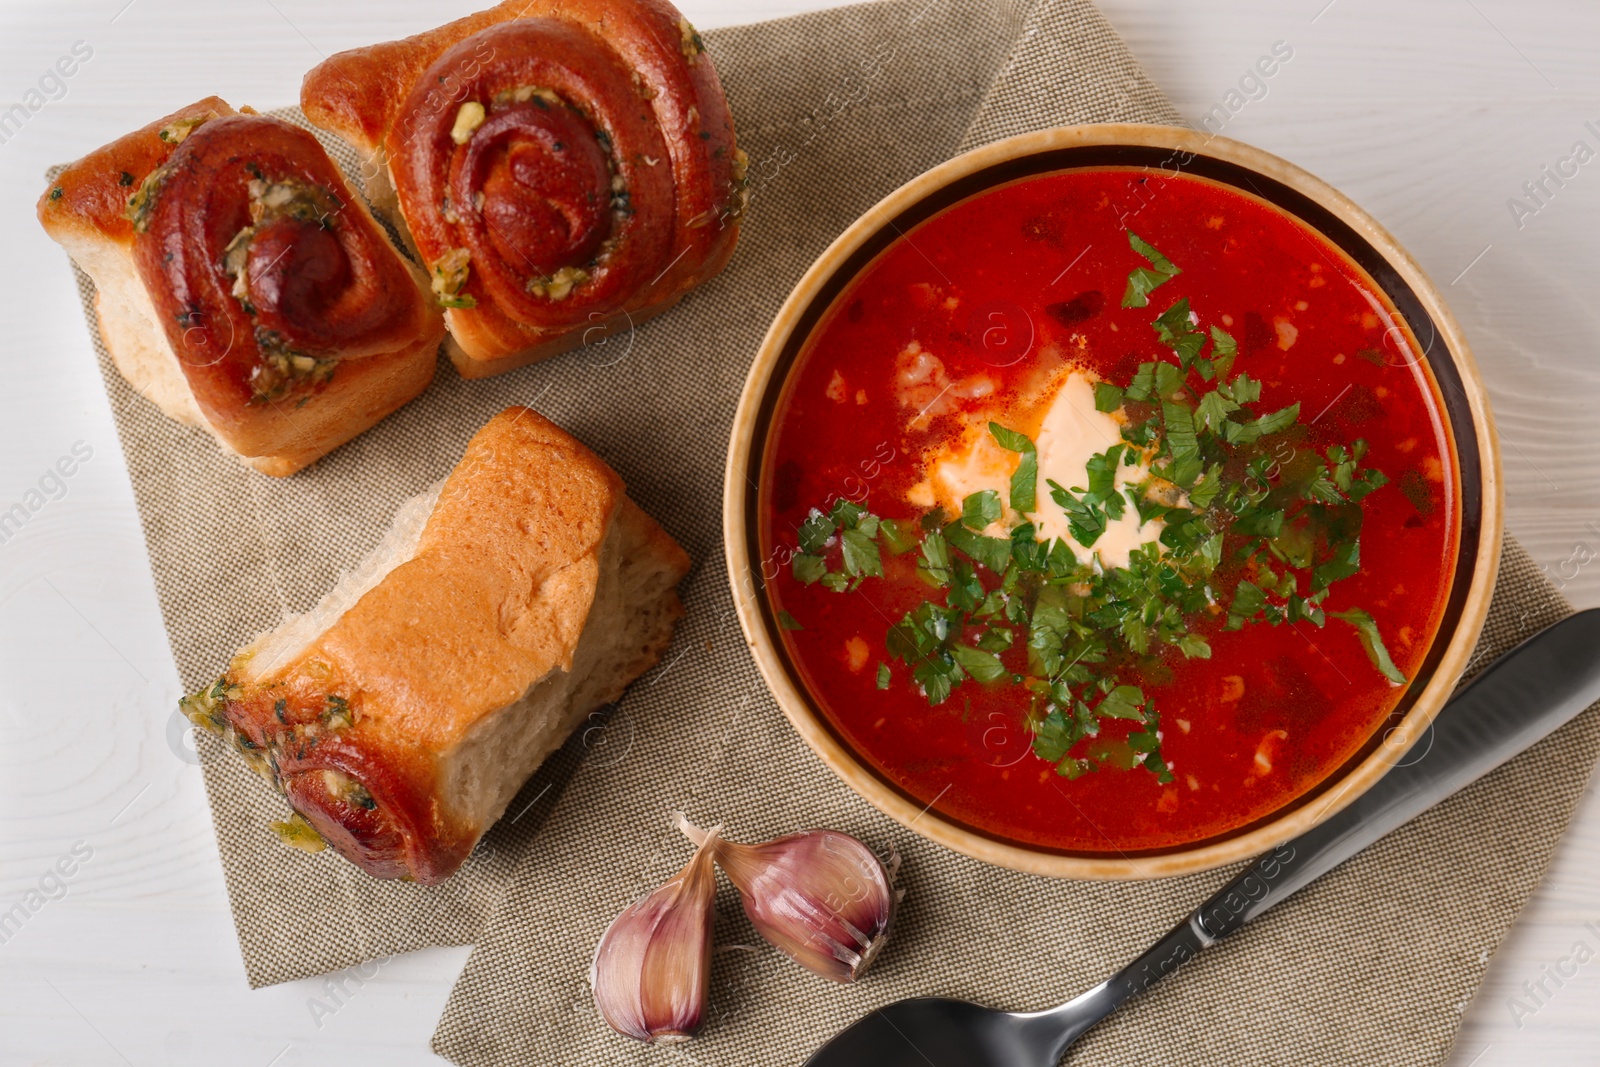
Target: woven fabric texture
[1372, 965]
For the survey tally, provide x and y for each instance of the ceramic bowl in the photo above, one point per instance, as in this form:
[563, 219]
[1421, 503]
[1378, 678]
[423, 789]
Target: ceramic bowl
[1294, 191]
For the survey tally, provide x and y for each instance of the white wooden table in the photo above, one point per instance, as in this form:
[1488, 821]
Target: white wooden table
[1431, 113]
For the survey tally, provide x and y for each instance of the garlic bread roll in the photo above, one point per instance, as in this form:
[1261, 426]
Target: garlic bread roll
[242, 285]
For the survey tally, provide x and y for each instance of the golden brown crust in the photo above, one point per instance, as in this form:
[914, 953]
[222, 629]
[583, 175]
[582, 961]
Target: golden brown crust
[94, 191]
[210, 346]
[499, 587]
[612, 331]
[634, 68]
[493, 602]
[357, 94]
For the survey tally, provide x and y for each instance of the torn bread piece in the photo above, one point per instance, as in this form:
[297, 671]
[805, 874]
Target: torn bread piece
[402, 713]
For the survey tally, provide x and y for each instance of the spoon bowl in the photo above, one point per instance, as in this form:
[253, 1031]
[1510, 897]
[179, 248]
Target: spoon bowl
[938, 1031]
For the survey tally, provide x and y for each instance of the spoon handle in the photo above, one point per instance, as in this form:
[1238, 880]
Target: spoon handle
[1059, 1027]
[1522, 697]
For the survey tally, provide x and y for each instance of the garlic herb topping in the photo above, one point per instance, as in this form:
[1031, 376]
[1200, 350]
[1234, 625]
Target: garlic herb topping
[449, 277]
[296, 832]
[175, 133]
[689, 42]
[294, 737]
[468, 119]
[558, 286]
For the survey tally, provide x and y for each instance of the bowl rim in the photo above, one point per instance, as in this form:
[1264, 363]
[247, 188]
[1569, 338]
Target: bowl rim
[748, 590]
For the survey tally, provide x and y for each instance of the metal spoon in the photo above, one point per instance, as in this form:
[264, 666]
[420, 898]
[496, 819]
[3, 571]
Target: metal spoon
[1525, 695]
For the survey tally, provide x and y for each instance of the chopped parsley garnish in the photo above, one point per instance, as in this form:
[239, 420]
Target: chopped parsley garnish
[1144, 280]
[1257, 525]
[1024, 482]
[1367, 630]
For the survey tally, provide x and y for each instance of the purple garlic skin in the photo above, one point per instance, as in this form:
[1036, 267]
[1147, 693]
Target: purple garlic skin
[821, 897]
[652, 967]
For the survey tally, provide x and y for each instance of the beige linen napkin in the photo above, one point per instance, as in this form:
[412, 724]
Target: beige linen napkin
[1372, 965]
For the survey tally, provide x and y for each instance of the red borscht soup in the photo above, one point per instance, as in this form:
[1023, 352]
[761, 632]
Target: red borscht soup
[1112, 511]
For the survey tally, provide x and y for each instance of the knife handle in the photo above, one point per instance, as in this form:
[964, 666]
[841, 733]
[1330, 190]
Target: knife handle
[1523, 696]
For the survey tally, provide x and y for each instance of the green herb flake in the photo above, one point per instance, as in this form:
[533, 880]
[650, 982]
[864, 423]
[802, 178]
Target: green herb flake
[1054, 737]
[1182, 444]
[1144, 280]
[1123, 702]
[808, 568]
[992, 552]
[934, 567]
[1085, 522]
[1344, 561]
[1107, 397]
[1367, 630]
[1279, 420]
[815, 532]
[1025, 479]
[1175, 329]
[1213, 411]
[983, 666]
[861, 558]
[898, 537]
[1010, 440]
[845, 513]
[1224, 350]
[981, 509]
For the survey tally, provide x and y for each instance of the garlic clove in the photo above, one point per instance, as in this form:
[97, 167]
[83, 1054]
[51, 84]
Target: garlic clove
[821, 897]
[653, 964]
